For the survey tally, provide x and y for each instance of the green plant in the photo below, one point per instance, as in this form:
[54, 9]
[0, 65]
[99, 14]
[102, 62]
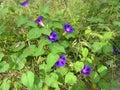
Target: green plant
[68, 47]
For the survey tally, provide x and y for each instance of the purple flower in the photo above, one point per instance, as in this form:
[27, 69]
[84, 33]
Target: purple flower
[115, 51]
[53, 36]
[68, 28]
[86, 70]
[39, 20]
[61, 61]
[25, 3]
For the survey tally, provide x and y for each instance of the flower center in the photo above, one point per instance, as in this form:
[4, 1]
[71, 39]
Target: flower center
[51, 37]
[26, 5]
[41, 23]
[84, 70]
[68, 29]
[60, 60]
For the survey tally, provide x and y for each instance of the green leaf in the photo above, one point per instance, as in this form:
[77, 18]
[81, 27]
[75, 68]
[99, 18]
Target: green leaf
[2, 28]
[56, 48]
[107, 36]
[107, 48]
[88, 31]
[34, 33]
[44, 42]
[46, 87]
[1, 55]
[64, 43]
[58, 25]
[51, 81]
[17, 62]
[78, 86]
[21, 21]
[54, 75]
[38, 83]
[117, 23]
[27, 79]
[29, 51]
[97, 46]
[5, 85]
[103, 26]
[102, 70]
[17, 85]
[52, 59]
[114, 84]
[70, 78]
[39, 51]
[45, 31]
[89, 60]
[94, 77]
[78, 66]
[63, 70]
[84, 52]
[104, 85]
[43, 69]
[4, 10]
[40, 48]
[31, 24]
[72, 35]
[3, 66]
[17, 46]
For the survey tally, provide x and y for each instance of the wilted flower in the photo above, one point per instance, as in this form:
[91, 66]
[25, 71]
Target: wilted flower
[86, 70]
[39, 20]
[25, 3]
[53, 36]
[68, 28]
[115, 51]
[61, 61]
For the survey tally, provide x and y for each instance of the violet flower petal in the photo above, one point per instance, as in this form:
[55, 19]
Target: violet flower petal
[39, 20]
[53, 36]
[25, 4]
[68, 28]
[86, 70]
[61, 61]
